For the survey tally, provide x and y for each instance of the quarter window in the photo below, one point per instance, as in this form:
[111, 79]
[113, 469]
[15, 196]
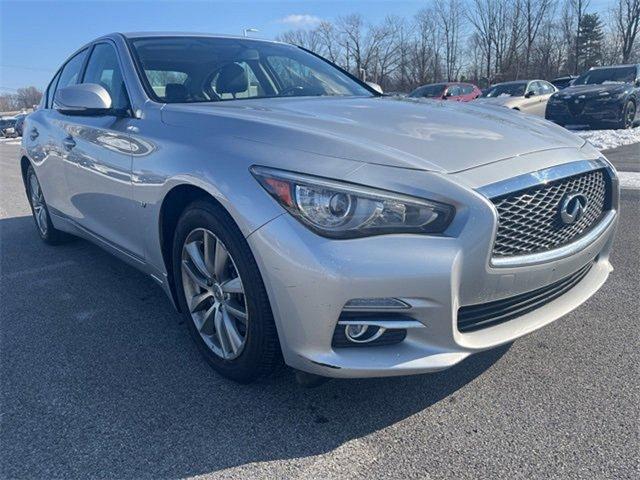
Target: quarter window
[103, 69]
[48, 99]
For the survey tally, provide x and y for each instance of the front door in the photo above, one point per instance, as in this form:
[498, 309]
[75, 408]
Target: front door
[98, 155]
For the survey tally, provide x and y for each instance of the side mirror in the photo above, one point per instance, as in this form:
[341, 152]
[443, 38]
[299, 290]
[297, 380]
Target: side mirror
[375, 86]
[83, 99]
[529, 94]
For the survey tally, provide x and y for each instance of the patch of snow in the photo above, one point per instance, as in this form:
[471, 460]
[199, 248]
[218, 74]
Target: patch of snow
[608, 139]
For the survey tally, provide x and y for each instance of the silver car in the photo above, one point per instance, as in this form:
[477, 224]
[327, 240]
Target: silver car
[293, 214]
[527, 96]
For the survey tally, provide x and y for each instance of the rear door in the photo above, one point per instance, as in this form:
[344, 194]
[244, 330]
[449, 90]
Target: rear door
[99, 160]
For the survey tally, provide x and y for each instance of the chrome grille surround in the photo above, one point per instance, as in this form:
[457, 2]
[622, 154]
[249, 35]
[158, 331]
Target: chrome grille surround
[529, 228]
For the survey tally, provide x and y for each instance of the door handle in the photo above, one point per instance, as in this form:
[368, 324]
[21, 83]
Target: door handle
[69, 143]
[33, 134]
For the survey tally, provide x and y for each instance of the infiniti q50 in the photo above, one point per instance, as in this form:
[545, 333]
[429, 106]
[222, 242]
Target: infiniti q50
[294, 215]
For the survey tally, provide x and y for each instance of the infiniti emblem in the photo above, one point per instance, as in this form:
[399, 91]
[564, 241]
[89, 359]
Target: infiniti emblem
[572, 208]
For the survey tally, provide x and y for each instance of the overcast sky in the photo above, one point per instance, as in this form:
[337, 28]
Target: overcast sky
[36, 36]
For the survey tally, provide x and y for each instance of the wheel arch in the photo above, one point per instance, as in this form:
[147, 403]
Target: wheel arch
[24, 166]
[175, 201]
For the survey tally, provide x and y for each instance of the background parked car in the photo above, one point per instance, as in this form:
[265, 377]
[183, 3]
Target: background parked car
[529, 96]
[461, 92]
[563, 82]
[600, 97]
[19, 123]
[7, 127]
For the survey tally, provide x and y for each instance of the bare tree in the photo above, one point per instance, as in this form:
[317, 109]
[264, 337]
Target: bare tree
[448, 14]
[535, 13]
[502, 40]
[483, 15]
[627, 25]
[28, 97]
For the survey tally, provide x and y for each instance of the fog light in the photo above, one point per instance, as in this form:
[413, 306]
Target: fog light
[362, 333]
[354, 332]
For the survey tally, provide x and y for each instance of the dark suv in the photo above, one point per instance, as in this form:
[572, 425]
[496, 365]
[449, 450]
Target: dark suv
[600, 97]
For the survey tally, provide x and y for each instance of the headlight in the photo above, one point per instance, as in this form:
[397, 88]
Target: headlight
[343, 210]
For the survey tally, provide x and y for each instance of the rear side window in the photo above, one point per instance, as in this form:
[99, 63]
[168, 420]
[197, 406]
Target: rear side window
[466, 89]
[547, 88]
[103, 69]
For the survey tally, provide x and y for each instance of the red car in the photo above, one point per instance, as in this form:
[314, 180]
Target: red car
[460, 92]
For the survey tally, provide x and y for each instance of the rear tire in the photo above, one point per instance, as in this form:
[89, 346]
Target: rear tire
[204, 299]
[48, 233]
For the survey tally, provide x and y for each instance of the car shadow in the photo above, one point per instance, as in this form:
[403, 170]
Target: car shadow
[99, 379]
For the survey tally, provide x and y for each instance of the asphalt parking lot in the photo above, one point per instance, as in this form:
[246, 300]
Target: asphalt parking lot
[99, 380]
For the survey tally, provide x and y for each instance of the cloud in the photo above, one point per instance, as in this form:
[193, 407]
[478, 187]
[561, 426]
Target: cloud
[301, 21]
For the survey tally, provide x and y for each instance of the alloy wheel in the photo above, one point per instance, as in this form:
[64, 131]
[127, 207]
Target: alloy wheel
[214, 293]
[38, 204]
[630, 115]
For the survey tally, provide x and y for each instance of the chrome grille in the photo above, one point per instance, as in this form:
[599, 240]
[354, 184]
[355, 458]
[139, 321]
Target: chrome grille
[529, 220]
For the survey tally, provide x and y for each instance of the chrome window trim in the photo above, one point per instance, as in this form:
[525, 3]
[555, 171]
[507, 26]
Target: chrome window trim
[542, 177]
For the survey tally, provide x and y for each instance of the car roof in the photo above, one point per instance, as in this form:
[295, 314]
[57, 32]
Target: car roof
[615, 66]
[513, 82]
[137, 35]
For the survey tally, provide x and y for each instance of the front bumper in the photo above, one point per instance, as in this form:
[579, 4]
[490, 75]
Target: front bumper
[585, 112]
[309, 280]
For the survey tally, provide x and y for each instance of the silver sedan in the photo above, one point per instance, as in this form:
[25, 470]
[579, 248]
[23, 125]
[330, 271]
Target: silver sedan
[293, 214]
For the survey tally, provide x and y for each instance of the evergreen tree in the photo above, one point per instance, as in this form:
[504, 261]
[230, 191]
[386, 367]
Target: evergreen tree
[590, 38]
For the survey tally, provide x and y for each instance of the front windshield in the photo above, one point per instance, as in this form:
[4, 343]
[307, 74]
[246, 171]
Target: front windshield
[429, 91]
[202, 69]
[607, 75]
[506, 90]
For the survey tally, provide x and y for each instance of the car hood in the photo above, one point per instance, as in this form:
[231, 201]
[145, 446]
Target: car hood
[592, 91]
[503, 101]
[407, 133]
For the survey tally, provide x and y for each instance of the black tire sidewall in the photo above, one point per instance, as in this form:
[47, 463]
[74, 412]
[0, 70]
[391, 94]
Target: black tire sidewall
[258, 356]
[50, 236]
[628, 105]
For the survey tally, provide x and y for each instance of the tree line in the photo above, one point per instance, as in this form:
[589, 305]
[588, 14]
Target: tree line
[24, 98]
[484, 41]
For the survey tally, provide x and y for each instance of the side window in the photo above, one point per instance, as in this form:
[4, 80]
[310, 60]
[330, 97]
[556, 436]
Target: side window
[466, 89]
[547, 88]
[103, 69]
[48, 98]
[454, 90]
[70, 74]
[534, 87]
[159, 79]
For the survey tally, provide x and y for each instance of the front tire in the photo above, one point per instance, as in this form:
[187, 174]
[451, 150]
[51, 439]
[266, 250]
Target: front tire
[628, 115]
[48, 233]
[222, 295]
